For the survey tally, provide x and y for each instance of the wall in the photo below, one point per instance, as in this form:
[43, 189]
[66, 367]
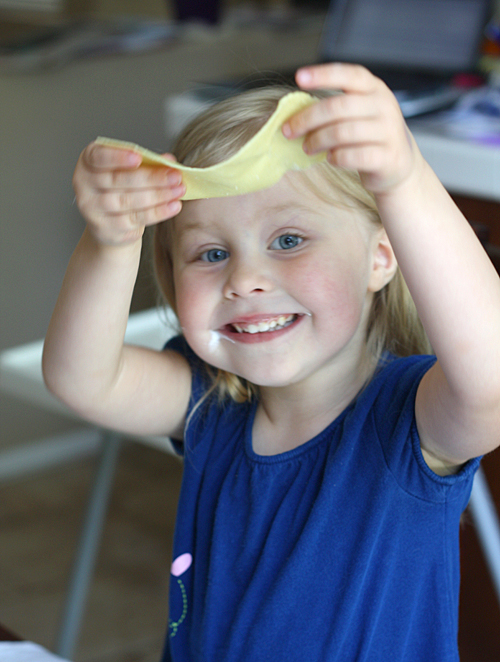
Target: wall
[45, 121]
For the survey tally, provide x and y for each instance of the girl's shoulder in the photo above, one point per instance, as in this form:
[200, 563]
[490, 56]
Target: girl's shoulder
[201, 380]
[392, 366]
[389, 405]
[394, 382]
[207, 410]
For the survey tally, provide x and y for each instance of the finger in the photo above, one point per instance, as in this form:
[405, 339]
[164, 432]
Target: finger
[169, 157]
[342, 134]
[337, 76]
[331, 109]
[366, 158]
[127, 200]
[99, 157]
[140, 218]
[145, 177]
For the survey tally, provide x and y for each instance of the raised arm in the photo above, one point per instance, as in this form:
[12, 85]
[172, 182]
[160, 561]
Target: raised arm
[452, 281]
[85, 362]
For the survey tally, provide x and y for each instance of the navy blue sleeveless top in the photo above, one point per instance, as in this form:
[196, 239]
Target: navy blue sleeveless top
[344, 549]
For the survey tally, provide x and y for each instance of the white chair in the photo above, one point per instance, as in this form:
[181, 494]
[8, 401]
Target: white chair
[21, 375]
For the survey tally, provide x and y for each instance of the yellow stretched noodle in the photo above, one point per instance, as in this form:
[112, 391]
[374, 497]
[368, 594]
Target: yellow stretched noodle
[259, 164]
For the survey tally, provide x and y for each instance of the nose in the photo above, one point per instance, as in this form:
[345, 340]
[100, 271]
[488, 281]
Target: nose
[246, 276]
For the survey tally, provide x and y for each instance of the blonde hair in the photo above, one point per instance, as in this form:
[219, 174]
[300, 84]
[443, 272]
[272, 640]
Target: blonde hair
[393, 325]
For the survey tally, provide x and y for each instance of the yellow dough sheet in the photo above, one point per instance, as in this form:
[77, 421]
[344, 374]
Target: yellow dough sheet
[259, 164]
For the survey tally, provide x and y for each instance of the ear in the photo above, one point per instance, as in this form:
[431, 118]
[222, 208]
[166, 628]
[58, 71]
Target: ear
[384, 262]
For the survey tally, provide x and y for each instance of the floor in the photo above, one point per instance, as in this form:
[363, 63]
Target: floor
[127, 609]
[39, 522]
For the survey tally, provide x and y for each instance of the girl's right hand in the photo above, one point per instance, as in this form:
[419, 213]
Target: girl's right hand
[118, 197]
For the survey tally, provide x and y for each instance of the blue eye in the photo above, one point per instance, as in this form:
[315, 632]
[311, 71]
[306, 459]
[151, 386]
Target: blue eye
[286, 241]
[214, 255]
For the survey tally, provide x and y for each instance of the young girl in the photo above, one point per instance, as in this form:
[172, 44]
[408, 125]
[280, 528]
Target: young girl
[328, 455]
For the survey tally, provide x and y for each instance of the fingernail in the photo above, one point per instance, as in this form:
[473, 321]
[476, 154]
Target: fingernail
[287, 130]
[174, 178]
[134, 159]
[303, 77]
[175, 206]
[178, 191]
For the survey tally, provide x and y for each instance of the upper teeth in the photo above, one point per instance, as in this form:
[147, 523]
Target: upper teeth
[269, 325]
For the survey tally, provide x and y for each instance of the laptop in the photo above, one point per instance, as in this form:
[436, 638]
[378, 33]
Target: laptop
[417, 47]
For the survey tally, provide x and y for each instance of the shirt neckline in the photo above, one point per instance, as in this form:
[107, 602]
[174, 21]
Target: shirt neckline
[294, 453]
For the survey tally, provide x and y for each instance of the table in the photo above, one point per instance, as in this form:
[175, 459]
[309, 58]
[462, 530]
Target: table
[447, 156]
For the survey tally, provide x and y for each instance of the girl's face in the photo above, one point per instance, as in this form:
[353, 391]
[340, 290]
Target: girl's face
[276, 286]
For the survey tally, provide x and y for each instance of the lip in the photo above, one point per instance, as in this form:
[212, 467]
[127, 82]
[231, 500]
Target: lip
[251, 338]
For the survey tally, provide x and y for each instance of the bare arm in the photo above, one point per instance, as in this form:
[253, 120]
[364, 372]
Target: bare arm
[454, 285]
[457, 293]
[85, 362]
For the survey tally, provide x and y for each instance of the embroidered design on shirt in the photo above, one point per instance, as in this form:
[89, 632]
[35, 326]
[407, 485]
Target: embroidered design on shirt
[179, 567]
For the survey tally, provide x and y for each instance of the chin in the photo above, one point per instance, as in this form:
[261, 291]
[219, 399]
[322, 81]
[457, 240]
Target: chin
[266, 379]
[263, 372]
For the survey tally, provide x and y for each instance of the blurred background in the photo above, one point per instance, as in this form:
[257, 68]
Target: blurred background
[71, 70]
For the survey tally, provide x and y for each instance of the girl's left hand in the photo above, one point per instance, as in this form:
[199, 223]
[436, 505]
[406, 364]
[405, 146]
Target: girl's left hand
[362, 129]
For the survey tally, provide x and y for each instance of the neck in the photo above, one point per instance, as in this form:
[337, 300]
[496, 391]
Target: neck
[289, 416]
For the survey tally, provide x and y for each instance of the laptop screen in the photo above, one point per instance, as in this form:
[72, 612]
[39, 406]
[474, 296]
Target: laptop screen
[440, 36]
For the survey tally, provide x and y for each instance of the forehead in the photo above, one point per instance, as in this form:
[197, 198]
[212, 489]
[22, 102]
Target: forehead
[291, 197]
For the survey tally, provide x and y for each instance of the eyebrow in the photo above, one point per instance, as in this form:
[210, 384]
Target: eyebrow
[189, 226]
[286, 207]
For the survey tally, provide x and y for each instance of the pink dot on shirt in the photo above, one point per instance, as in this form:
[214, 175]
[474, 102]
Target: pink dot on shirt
[181, 564]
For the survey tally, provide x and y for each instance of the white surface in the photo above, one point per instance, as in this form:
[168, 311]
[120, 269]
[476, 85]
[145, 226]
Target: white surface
[21, 367]
[26, 651]
[462, 166]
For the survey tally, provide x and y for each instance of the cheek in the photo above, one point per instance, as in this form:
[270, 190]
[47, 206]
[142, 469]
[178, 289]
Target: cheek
[195, 308]
[334, 294]
[191, 301]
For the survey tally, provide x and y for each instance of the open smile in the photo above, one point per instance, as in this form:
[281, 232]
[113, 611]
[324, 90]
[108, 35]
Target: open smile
[260, 329]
